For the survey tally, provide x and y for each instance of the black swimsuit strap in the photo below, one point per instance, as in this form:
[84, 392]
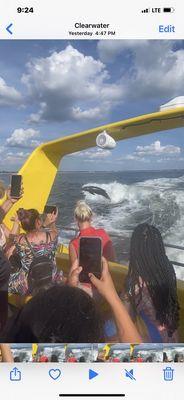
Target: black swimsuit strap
[29, 245]
[48, 240]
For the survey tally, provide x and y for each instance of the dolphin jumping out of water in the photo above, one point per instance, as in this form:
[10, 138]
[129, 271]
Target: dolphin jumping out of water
[96, 190]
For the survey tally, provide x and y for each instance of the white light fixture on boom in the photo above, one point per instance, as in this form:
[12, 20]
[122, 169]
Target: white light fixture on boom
[105, 141]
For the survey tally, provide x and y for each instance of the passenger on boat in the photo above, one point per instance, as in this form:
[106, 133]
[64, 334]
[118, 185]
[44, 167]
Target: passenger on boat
[54, 358]
[5, 268]
[149, 359]
[83, 217]
[6, 237]
[35, 243]
[67, 314]
[82, 359]
[5, 233]
[71, 358]
[177, 357]
[165, 357]
[151, 289]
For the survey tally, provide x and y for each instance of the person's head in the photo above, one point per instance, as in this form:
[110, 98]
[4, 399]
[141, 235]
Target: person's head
[54, 358]
[61, 314]
[83, 213]
[150, 266]
[125, 359]
[176, 357]
[40, 275]
[82, 359]
[30, 219]
[16, 359]
[149, 359]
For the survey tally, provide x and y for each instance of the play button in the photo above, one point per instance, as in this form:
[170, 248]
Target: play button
[92, 374]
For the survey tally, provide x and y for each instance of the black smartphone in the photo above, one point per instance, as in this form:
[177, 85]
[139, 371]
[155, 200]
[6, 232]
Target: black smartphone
[50, 209]
[16, 183]
[90, 257]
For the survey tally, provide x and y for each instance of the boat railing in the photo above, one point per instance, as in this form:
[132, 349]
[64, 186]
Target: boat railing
[113, 235]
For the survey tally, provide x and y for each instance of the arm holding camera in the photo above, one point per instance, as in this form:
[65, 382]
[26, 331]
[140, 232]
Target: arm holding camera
[4, 208]
[127, 331]
[50, 221]
[7, 204]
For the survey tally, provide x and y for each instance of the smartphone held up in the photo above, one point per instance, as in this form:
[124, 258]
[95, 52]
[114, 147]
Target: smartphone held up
[16, 186]
[49, 209]
[90, 257]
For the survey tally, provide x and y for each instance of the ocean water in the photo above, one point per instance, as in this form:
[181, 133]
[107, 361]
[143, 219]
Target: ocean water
[156, 197]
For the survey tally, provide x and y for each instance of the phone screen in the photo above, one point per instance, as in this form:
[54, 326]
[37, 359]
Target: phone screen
[90, 257]
[16, 181]
[49, 209]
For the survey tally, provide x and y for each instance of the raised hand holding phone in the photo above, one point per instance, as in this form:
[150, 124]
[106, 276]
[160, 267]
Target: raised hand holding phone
[90, 257]
[16, 186]
[127, 331]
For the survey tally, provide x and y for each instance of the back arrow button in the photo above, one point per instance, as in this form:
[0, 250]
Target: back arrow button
[9, 29]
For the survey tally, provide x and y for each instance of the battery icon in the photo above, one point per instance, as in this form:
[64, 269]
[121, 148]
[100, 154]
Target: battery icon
[168, 9]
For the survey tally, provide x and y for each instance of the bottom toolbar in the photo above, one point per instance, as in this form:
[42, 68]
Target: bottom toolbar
[53, 380]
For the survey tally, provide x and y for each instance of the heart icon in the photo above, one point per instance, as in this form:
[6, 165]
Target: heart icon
[55, 373]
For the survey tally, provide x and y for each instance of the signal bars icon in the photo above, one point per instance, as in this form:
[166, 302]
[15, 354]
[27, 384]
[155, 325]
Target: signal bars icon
[145, 11]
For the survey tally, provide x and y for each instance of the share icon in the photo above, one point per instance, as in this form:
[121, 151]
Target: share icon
[130, 374]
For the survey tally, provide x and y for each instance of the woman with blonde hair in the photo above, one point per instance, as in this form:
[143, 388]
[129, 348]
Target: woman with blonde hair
[83, 216]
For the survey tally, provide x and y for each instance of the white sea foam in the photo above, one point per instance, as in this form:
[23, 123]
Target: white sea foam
[157, 201]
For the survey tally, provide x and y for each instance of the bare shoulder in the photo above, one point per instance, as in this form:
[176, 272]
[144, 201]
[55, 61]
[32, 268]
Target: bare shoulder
[20, 239]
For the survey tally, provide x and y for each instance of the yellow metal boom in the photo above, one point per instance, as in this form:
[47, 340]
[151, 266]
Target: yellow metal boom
[40, 169]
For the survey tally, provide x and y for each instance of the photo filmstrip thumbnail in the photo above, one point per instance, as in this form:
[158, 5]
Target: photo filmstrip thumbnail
[92, 353]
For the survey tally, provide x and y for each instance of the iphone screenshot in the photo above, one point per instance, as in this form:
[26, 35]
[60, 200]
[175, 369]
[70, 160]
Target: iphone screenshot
[91, 199]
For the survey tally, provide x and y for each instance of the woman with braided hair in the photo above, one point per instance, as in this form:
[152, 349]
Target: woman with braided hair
[151, 288]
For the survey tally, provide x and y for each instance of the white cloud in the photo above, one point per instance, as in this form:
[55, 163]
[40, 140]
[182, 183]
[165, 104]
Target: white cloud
[156, 149]
[12, 159]
[90, 155]
[25, 138]
[15, 158]
[133, 157]
[68, 85]
[9, 96]
[154, 67]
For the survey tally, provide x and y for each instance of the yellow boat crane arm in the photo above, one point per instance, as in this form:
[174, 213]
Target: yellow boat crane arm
[40, 169]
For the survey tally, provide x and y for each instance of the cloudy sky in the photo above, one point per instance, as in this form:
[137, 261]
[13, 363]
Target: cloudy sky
[50, 89]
